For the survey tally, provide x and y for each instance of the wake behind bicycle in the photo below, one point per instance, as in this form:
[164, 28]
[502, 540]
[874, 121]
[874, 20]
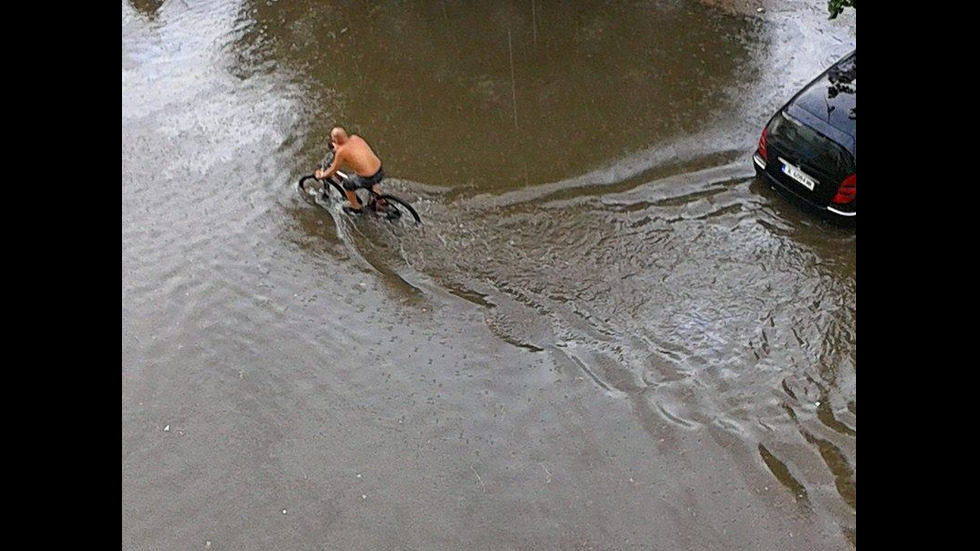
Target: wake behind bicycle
[330, 191]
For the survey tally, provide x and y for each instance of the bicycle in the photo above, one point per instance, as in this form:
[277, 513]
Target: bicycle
[331, 190]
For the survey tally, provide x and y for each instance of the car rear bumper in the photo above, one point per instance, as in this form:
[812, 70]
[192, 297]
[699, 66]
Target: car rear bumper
[841, 211]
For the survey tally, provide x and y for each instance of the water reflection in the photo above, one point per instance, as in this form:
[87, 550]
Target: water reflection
[147, 8]
[507, 94]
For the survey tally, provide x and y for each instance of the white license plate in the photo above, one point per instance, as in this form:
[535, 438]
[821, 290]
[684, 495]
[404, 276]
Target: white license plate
[795, 173]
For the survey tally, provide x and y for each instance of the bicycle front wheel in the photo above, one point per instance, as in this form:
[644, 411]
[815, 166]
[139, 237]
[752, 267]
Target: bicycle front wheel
[319, 192]
[310, 189]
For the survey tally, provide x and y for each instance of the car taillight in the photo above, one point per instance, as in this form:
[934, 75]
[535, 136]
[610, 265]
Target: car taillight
[762, 144]
[847, 191]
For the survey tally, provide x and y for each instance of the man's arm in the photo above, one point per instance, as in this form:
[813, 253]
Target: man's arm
[334, 166]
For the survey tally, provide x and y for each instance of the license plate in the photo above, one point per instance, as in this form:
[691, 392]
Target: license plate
[795, 173]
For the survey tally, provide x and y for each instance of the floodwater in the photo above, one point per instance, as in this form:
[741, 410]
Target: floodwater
[607, 334]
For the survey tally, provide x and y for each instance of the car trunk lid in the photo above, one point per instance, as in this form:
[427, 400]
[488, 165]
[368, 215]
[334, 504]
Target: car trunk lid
[808, 158]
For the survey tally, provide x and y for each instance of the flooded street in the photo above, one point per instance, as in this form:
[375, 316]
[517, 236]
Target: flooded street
[607, 333]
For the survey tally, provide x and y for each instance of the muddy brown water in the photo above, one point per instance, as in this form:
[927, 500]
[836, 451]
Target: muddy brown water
[607, 334]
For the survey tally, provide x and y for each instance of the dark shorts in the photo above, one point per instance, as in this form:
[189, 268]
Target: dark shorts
[356, 181]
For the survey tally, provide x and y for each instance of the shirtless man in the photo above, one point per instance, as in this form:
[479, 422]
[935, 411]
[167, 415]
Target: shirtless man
[357, 154]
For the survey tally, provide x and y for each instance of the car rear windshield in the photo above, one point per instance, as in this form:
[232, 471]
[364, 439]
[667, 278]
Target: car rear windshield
[833, 96]
[810, 145]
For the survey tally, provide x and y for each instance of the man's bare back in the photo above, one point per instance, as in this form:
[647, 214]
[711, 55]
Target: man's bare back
[352, 151]
[357, 154]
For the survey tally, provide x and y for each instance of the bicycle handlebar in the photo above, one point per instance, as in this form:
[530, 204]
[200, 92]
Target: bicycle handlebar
[327, 160]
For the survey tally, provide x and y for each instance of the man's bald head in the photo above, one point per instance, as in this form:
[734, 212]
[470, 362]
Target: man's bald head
[338, 135]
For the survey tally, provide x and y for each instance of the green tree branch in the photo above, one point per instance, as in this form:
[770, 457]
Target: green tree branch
[835, 7]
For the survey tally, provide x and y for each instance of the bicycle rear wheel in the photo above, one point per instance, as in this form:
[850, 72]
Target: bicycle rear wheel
[399, 211]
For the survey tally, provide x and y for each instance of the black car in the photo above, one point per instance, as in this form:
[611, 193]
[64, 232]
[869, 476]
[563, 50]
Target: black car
[809, 147]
